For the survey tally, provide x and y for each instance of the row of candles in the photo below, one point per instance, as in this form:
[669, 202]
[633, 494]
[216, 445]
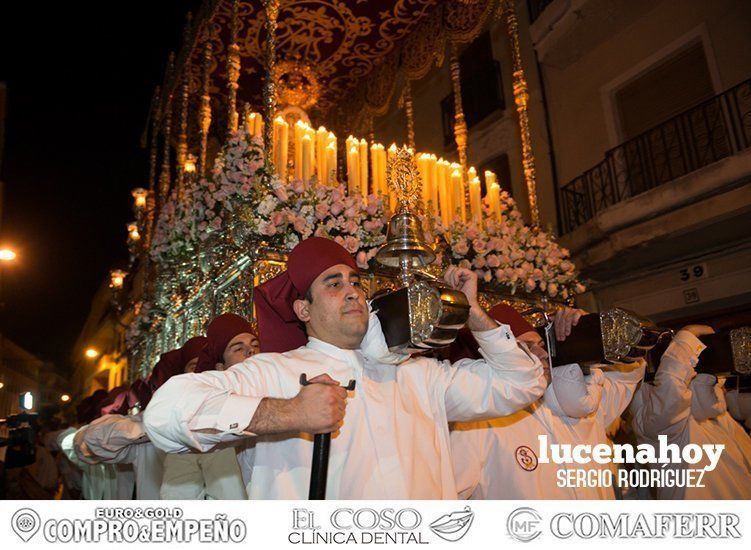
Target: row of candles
[315, 153]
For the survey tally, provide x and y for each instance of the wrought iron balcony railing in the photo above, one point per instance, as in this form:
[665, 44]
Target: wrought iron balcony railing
[715, 129]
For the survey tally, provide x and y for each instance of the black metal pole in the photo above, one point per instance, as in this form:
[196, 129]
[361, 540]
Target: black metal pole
[321, 446]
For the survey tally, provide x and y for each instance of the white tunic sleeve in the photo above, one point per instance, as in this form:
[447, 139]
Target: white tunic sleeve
[667, 406]
[618, 388]
[113, 439]
[199, 411]
[507, 379]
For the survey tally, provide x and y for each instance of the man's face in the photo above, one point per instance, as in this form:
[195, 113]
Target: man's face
[190, 366]
[337, 313]
[537, 347]
[240, 348]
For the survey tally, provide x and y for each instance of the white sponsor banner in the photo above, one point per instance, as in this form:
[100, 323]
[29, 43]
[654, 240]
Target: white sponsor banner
[439, 524]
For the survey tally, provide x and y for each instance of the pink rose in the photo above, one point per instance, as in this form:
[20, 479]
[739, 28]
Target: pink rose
[479, 262]
[493, 261]
[350, 212]
[530, 285]
[552, 289]
[352, 244]
[277, 218]
[281, 193]
[461, 247]
[298, 186]
[472, 233]
[322, 210]
[479, 245]
[372, 208]
[337, 207]
[350, 227]
[268, 229]
[300, 224]
[362, 260]
[529, 255]
[371, 226]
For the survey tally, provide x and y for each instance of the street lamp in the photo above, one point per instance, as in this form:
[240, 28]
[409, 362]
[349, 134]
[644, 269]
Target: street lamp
[65, 398]
[91, 353]
[139, 197]
[117, 277]
[7, 255]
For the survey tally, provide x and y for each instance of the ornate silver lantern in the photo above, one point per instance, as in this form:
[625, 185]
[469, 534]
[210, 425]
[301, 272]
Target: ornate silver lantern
[424, 313]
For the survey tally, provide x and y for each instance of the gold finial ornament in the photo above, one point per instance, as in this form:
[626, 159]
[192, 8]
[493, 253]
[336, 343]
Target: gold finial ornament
[409, 113]
[403, 178]
[164, 178]
[233, 71]
[271, 8]
[460, 125]
[521, 98]
[204, 114]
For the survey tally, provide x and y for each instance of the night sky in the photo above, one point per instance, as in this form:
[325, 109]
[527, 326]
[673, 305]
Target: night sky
[78, 97]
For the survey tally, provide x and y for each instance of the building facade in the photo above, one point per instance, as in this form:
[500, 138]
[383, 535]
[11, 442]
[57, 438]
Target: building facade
[640, 119]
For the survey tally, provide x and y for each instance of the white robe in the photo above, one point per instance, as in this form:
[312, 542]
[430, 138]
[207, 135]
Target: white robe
[394, 443]
[665, 408]
[197, 476]
[98, 481]
[120, 440]
[498, 458]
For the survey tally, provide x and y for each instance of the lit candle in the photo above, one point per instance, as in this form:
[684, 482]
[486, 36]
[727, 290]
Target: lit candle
[353, 170]
[391, 192]
[331, 163]
[475, 201]
[280, 145]
[422, 167]
[332, 168]
[299, 133]
[382, 187]
[432, 183]
[457, 190]
[321, 142]
[447, 213]
[363, 152]
[307, 157]
[374, 167]
[494, 194]
[284, 150]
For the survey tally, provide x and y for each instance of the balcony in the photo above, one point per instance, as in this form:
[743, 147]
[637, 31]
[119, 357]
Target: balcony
[713, 130]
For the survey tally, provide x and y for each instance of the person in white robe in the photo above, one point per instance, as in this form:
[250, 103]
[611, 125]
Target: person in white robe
[214, 475]
[500, 458]
[690, 408]
[393, 442]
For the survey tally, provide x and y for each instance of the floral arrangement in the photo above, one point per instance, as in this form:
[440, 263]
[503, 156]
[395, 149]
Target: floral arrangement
[145, 315]
[208, 203]
[508, 253]
[294, 211]
[503, 251]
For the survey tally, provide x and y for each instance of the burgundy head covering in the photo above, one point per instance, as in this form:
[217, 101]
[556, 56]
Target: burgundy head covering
[88, 409]
[219, 333]
[465, 345]
[169, 365]
[139, 394]
[114, 400]
[192, 348]
[278, 326]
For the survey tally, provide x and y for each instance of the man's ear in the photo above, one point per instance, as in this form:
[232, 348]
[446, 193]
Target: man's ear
[302, 310]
